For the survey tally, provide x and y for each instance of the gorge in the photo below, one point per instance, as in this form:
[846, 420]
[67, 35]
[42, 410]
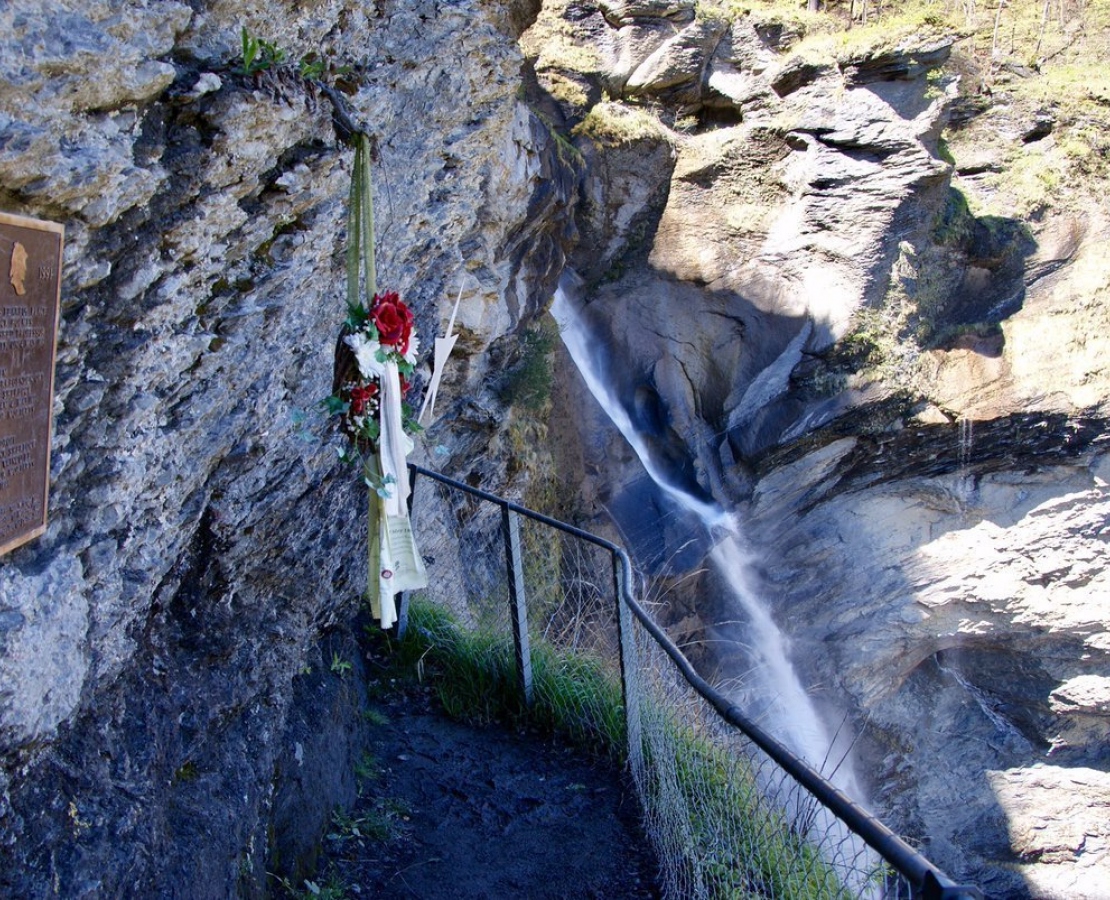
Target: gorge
[851, 287]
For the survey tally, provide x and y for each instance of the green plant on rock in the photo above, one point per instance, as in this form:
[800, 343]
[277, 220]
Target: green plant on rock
[568, 153]
[553, 43]
[340, 666]
[374, 717]
[258, 54]
[611, 124]
[529, 382]
[314, 66]
[953, 224]
[331, 888]
[372, 825]
[367, 768]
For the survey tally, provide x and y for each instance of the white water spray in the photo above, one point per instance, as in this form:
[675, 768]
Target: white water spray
[965, 481]
[790, 714]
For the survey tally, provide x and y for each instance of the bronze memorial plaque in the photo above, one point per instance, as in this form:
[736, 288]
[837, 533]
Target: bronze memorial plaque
[30, 291]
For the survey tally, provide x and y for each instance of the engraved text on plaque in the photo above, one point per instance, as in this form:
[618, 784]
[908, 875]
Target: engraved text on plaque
[30, 282]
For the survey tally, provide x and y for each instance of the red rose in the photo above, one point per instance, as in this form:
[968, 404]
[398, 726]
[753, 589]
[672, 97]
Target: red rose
[361, 397]
[393, 320]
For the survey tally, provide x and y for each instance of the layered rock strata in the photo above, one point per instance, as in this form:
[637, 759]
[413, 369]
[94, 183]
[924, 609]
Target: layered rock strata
[906, 403]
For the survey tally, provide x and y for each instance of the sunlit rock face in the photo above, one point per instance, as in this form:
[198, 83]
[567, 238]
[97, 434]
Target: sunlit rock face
[168, 713]
[930, 507]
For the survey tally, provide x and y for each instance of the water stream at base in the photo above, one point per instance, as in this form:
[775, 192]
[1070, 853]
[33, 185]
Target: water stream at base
[772, 686]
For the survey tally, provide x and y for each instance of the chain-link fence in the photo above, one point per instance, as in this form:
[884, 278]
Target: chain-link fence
[731, 813]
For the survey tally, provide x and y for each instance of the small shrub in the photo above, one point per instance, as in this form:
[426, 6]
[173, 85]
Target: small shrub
[528, 383]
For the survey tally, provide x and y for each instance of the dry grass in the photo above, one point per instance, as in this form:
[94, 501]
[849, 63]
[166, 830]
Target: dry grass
[614, 124]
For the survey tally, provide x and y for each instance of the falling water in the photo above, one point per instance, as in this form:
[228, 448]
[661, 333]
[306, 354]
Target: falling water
[965, 481]
[788, 711]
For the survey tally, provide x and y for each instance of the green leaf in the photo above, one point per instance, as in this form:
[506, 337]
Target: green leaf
[312, 67]
[372, 430]
[357, 316]
[335, 406]
[250, 51]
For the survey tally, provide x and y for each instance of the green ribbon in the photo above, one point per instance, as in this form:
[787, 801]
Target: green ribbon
[360, 229]
[360, 269]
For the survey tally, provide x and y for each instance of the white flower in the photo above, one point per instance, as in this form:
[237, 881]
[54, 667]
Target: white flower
[366, 353]
[414, 346]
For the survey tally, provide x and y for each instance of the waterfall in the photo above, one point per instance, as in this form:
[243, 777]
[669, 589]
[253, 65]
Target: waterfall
[773, 691]
[965, 480]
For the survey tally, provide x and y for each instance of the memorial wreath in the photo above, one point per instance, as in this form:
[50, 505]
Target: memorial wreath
[374, 360]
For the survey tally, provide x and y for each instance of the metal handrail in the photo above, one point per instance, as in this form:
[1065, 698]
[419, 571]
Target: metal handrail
[929, 882]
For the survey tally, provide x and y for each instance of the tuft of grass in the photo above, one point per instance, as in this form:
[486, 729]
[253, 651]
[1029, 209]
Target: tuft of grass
[553, 43]
[374, 717]
[187, 771]
[954, 223]
[1031, 183]
[611, 124]
[568, 91]
[576, 696]
[367, 768]
[904, 23]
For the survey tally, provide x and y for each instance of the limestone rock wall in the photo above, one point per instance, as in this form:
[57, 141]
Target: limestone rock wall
[907, 401]
[163, 686]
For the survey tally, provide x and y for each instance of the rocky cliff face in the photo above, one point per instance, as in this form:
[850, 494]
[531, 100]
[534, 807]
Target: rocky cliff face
[173, 706]
[812, 314]
[894, 367]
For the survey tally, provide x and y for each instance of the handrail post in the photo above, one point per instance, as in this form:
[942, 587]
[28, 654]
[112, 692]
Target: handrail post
[626, 638]
[518, 604]
[403, 608]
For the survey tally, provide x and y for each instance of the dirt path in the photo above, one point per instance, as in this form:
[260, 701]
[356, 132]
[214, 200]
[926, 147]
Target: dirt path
[451, 810]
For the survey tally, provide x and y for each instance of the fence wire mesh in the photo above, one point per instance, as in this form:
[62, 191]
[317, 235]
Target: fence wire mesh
[725, 819]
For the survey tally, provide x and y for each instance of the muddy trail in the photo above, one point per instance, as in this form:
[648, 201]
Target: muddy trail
[454, 810]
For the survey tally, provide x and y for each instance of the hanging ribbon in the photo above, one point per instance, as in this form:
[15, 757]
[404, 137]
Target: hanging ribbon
[360, 226]
[394, 563]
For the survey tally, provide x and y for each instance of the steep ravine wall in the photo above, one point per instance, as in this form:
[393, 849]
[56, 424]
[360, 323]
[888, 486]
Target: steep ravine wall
[906, 402]
[174, 716]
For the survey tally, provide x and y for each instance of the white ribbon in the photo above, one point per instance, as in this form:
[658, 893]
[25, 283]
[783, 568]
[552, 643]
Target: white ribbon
[392, 547]
[393, 444]
[443, 348]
